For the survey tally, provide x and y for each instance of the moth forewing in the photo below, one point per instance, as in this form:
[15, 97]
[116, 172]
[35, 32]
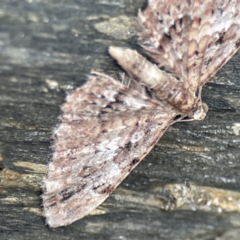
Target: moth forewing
[107, 128]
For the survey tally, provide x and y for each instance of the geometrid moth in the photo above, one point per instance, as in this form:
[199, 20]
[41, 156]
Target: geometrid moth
[107, 128]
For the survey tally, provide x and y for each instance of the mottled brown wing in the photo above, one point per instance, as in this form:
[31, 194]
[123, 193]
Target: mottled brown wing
[106, 129]
[214, 38]
[165, 33]
[192, 39]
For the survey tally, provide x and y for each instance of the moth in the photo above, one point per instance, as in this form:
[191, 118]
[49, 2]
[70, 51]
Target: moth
[107, 127]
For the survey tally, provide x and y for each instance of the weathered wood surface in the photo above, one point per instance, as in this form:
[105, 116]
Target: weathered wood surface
[46, 50]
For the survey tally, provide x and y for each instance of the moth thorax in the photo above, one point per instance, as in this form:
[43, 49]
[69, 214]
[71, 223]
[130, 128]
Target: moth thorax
[175, 94]
[184, 101]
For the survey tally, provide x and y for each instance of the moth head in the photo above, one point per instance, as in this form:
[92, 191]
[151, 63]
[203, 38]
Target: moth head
[199, 112]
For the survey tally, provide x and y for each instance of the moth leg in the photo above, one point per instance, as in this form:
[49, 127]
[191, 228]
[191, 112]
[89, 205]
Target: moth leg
[199, 98]
[183, 118]
[125, 80]
[199, 112]
[130, 82]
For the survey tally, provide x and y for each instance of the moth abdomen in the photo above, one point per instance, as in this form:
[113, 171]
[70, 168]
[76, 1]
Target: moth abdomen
[138, 67]
[162, 85]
